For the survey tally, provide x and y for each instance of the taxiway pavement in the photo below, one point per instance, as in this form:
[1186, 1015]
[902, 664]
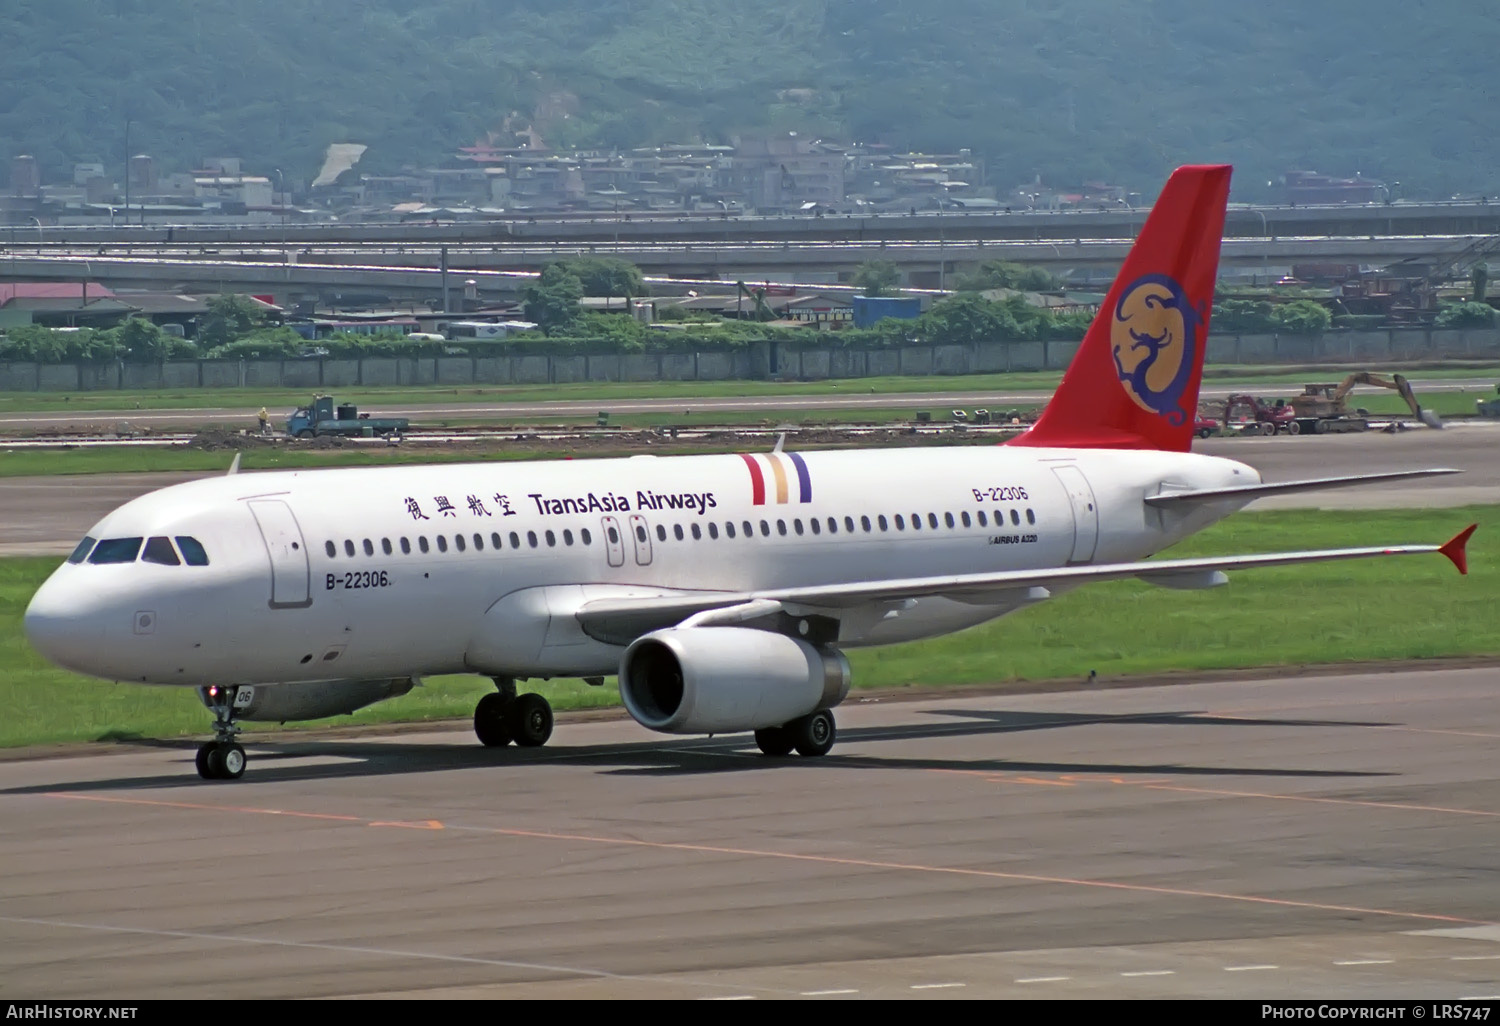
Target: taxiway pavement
[1322, 837]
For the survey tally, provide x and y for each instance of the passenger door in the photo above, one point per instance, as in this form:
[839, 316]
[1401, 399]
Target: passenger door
[614, 544]
[290, 570]
[640, 533]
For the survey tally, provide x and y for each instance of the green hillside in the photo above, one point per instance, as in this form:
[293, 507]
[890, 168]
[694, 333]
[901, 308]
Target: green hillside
[1072, 89]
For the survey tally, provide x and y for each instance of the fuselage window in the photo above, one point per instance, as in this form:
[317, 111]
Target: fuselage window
[348, 547]
[116, 550]
[749, 530]
[88, 543]
[982, 521]
[815, 524]
[193, 553]
[329, 547]
[948, 519]
[833, 525]
[713, 530]
[781, 528]
[515, 540]
[494, 539]
[640, 533]
[531, 538]
[385, 546]
[442, 543]
[458, 542]
[614, 537]
[765, 529]
[478, 542]
[585, 537]
[880, 520]
[369, 547]
[159, 550]
[567, 537]
[864, 522]
[964, 516]
[900, 522]
[661, 533]
[797, 525]
[677, 531]
[729, 528]
[422, 543]
[405, 546]
[932, 521]
[1030, 517]
[849, 524]
[1015, 518]
[552, 539]
[697, 532]
[916, 521]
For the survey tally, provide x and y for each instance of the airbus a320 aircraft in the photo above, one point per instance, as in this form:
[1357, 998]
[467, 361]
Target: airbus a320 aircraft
[721, 589]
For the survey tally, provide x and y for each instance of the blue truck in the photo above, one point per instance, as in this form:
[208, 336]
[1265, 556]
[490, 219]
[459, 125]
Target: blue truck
[323, 417]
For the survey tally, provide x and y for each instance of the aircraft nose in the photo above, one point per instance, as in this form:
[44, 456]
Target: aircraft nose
[65, 631]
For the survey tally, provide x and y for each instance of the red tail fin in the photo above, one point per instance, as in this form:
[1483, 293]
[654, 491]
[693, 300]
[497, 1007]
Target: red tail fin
[1134, 381]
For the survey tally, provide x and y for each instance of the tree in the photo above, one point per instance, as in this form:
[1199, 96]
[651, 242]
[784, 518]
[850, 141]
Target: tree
[876, 277]
[143, 341]
[1301, 317]
[607, 276]
[998, 274]
[552, 300]
[229, 317]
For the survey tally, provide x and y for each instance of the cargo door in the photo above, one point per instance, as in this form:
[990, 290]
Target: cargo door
[1085, 513]
[290, 570]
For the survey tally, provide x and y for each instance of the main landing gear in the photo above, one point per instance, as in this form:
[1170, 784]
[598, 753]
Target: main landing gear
[504, 717]
[222, 758]
[811, 735]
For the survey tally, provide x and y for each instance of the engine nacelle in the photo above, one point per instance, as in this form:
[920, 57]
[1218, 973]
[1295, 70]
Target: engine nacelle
[712, 680]
[282, 703]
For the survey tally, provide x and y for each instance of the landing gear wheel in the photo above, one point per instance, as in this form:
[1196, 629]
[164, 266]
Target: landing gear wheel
[492, 721]
[204, 770]
[221, 758]
[813, 734]
[530, 719]
[774, 741]
[230, 761]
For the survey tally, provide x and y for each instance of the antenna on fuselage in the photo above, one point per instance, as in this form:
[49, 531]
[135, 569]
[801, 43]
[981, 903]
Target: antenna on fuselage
[780, 441]
[234, 467]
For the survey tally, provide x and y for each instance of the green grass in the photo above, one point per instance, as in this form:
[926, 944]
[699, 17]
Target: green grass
[1383, 609]
[280, 399]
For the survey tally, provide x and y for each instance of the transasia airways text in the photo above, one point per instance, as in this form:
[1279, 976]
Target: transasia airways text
[698, 502]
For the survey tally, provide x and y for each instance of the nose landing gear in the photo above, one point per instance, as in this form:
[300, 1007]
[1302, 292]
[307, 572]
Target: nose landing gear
[222, 758]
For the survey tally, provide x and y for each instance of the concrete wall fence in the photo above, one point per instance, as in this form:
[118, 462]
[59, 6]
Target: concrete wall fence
[757, 361]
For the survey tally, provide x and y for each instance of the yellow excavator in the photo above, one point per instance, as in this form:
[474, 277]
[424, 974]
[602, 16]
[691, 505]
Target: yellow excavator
[1324, 408]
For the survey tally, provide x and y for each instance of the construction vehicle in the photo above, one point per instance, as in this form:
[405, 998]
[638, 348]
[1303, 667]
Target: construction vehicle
[1489, 407]
[1252, 415]
[322, 417]
[1323, 408]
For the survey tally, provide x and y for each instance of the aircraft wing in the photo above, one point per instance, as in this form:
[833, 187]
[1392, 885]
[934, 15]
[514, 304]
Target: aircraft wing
[613, 619]
[1256, 491]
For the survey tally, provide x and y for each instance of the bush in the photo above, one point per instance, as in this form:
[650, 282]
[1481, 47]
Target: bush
[1358, 322]
[1301, 317]
[1465, 315]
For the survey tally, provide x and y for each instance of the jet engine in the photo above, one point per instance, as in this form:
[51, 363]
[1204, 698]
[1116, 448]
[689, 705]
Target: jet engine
[711, 680]
[314, 700]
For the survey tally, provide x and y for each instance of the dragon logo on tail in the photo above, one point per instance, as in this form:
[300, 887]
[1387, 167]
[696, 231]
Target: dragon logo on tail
[1155, 337]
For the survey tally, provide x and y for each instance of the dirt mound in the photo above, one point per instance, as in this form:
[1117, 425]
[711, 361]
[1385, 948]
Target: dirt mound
[214, 439]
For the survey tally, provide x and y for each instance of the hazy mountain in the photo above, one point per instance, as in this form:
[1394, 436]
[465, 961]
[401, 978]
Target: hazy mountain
[1072, 89]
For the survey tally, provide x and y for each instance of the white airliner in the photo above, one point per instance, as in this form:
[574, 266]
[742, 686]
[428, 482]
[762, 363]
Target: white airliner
[721, 589]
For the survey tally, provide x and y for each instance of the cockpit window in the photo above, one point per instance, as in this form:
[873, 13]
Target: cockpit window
[159, 550]
[116, 550]
[193, 553]
[81, 553]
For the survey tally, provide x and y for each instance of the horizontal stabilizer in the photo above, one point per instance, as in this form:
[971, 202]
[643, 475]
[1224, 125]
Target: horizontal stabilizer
[1247, 492]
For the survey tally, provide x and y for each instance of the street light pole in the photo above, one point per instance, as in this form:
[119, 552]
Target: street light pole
[1265, 245]
[39, 239]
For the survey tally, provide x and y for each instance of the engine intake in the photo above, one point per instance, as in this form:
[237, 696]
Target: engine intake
[712, 680]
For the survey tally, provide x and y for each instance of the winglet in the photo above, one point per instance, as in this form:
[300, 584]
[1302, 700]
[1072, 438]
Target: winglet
[1454, 548]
